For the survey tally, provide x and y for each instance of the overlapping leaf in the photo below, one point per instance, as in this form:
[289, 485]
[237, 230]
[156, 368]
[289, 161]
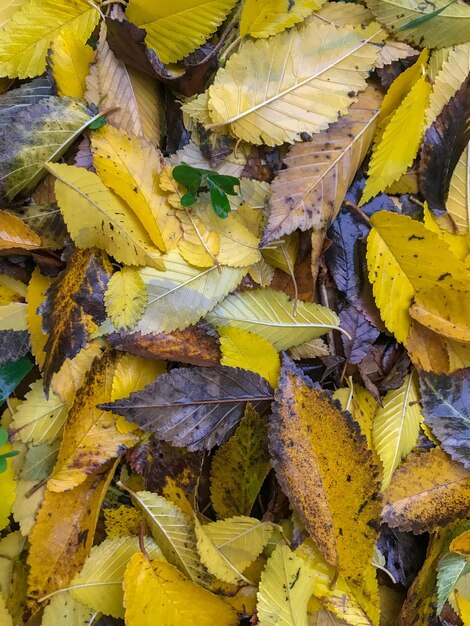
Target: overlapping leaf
[195, 408]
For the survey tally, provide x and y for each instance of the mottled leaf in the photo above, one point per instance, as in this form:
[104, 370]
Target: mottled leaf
[14, 344]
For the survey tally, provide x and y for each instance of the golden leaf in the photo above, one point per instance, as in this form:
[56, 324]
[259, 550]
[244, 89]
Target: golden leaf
[37, 287]
[240, 348]
[71, 375]
[404, 257]
[325, 467]
[7, 488]
[158, 588]
[91, 438]
[70, 58]
[426, 491]
[63, 534]
[96, 217]
[362, 406]
[461, 544]
[123, 521]
[14, 233]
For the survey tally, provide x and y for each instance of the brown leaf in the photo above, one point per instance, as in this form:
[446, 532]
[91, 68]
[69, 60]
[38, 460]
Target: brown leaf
[81, 285]
[63, 534]
[193, 345]
[13, 345]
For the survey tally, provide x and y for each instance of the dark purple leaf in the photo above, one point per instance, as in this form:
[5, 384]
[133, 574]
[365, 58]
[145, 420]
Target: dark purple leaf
[446, 409]
[363, 334]
[444, 142]
[195, 407]
[13, 345]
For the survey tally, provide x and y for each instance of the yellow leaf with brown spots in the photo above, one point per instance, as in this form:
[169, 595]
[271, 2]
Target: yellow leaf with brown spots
[324, 466]
[91, 437]
[63, 534]
[38, 285]
[71, 375]
[428, 490]
[72, 305]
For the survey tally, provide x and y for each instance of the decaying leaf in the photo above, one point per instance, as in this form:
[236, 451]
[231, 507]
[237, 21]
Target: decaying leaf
[71, 306]
[428, 490]
[311, 438]
[193, 407]
[446, 401]
[91, 437]
[63, 534]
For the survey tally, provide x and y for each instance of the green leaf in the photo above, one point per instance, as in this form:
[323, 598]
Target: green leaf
[3, 436]
[188, 176]
[11, 375]
[188, 199]
[98, 123]
[219, 200]
[451, 568]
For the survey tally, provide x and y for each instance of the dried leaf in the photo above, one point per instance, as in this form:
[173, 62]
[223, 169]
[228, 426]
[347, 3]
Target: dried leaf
[14, 233]
[324, 465]
[445, 401]
[195, 408]
[426, 491]
[91, 438]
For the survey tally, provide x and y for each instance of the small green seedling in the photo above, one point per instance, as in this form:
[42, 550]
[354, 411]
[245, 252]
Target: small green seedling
[7, 455]
[196, 180]
[98, 123]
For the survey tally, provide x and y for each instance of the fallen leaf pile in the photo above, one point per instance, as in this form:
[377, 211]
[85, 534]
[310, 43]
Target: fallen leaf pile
[234, 313]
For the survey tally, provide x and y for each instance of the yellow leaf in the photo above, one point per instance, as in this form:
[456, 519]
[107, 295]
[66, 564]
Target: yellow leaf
[263, 18]
[198, 244]
[458, 199]
[344, 599]
[324, 466]
[270, 314]
[7, 488]
[239, 467]
[63, 609]
[426, 491]
[261, 104]
[13, 316]
[262, 273]
[96, 217]
[130, 166]
[27, 504]
[123, 521]
[174, 533]
[282, 254]
[398, 146]
[125, 298]
[14, 233]
[362, 406]
[63, 534]
[99, 583]
[131, 98]
[38, 285]
[158, 588]
[90, 436]
[71, 375]
[228, 547]
[27, 36]
[133, 374]
[396, 426]
[175, 29]
[404, 257]
[240, 348]
[461, 544]
[70, 58]
[459, 245]
[11, 547]
[11, 290]
[182, 294]
[400, 88]
[284, 591]
[310, 191]
[444, 310]
[8, 9]
[463, 604]
[5, 617]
